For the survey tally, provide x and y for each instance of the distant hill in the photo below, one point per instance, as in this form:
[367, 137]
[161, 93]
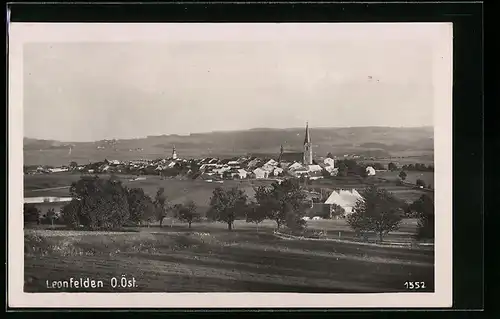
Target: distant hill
[367, 141]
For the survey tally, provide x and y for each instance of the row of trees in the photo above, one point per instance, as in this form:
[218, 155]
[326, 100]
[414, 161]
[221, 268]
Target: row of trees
[107, 204]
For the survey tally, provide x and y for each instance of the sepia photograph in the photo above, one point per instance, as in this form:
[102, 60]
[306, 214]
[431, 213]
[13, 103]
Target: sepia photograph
[286, 161]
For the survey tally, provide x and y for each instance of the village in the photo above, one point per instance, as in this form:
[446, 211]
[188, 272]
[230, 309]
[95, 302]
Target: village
[332, 184]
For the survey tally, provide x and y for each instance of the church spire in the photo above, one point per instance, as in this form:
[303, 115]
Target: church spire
[307, 147]
[307, 139]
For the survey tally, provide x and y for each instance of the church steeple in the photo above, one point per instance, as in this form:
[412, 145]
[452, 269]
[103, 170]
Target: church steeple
[307, 147]
[174, 153]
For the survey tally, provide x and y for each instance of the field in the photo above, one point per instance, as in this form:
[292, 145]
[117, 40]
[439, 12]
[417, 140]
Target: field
[199, 191]
[208, 258]
[411, 176]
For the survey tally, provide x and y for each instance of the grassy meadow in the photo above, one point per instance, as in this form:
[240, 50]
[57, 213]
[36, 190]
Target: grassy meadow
[208, 258]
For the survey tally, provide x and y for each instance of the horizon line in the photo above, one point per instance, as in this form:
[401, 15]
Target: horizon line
[229, 131]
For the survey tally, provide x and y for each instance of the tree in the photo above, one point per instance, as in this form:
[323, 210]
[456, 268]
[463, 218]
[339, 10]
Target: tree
[358, 220]
[73, 165]
[256, 214]
[378, 166]
[363, 172]
[377, 211]
[392, 167]
[280, 200]
[31, 214]
[161, 205]
[51, 215]
[98, 204]
[402, 175]
[424, 208]
[70, 214]
[227, 205]
[187, 213]
[337, 210]
[294, 217]
[420, 183]
[141, 206]
[342, 169]
[329, 155]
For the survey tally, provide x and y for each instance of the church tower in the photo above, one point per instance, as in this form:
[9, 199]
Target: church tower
[174, 153]
[307, 147]
[280, 158]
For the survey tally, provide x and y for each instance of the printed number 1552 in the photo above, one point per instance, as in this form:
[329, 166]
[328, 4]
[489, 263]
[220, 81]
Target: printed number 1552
[415, 285]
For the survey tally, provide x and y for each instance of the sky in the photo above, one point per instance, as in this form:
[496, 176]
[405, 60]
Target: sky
[228, 79]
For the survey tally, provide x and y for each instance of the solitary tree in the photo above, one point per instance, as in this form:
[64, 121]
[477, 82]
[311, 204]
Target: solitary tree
[73, 165]
[280, 200]
[161, 205]
[342, 169]
[329, 155]
[377, 211]
[392, 167]
[141, 206]
[424, 209]
[256, 214]
[51, 215]
[420, 183]
[227, 205]
[402, 175]
[31, 214]
[187, 213]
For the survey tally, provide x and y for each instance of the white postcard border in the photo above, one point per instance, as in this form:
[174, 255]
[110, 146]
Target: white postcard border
[20, 33]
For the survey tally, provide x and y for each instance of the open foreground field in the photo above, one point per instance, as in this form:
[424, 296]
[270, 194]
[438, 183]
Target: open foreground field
[208, 258]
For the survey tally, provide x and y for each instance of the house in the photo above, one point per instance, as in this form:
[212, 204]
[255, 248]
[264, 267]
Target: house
[271, 162]
[268, 168]
[314, 168]
[329, 162]
[234, 164]
[344, 198]
[242, 173]
[277, 171]
[253, 163]
[295, 166]
[260, 173]
[58, 170]
[332, 170]
[370, 171]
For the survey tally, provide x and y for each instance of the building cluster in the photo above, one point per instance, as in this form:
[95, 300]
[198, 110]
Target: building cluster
[291, 164]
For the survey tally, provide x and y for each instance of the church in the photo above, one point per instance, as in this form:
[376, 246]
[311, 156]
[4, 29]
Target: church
[305, 157]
